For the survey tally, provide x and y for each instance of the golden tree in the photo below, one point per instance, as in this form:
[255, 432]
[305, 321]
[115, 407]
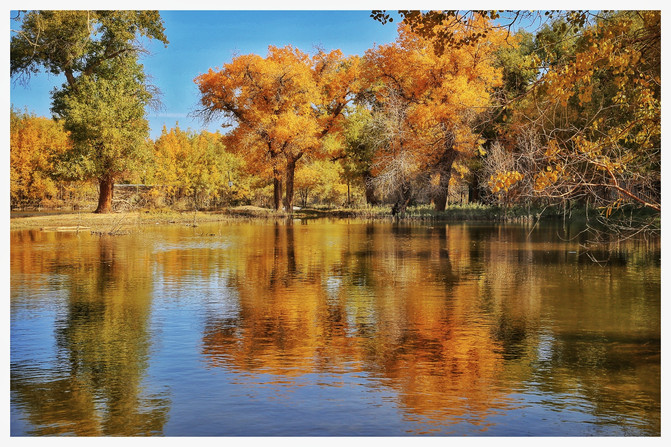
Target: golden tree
[280, 106]
[34, 143]
[431, 100]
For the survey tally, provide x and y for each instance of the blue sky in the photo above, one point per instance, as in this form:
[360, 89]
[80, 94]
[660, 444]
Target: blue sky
[200, 40]
[210, 36]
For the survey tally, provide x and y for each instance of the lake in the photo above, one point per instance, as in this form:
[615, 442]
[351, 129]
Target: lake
[334, 328]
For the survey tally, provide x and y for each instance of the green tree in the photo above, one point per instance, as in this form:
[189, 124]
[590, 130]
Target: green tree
[361, 137]
[103, 100]
[104, 114]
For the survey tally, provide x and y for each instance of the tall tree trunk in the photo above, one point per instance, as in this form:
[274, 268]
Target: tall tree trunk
[289, 190]
[349, 200]
[445, 172]
[277, 190]
[106, 192]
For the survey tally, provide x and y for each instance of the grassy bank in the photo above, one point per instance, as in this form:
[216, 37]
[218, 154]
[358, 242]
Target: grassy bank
[121, 222]
[117, 223]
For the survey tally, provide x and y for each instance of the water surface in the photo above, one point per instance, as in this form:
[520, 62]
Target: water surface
[333, 328]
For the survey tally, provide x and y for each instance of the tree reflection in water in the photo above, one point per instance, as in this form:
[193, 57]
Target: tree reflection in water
[102, 347]
[460, 328]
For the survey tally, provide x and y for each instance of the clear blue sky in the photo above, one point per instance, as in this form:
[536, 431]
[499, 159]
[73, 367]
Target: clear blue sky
[200, 40]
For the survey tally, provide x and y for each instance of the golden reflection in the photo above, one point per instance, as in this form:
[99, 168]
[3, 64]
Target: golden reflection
[441, 315]
[365, 306]
[102, 342]
[452, 320]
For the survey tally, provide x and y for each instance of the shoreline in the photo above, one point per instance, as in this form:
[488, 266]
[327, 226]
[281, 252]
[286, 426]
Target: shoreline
[122, 221]
[119, 222]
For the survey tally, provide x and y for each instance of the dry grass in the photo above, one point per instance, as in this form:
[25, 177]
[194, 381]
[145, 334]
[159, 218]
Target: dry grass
[110, 223]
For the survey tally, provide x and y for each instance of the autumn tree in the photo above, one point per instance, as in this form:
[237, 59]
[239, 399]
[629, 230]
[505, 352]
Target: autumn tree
[97, 53]
[35, 143]
[590, 128]
[322, 181]
[269, 101]
[610, 93]
[281, 106]
[194, 165]
[456, 28]
[432, 99]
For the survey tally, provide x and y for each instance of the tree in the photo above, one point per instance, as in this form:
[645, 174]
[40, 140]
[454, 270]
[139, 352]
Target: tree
[587, 127]
[321, 180]
[281, 107]
[104, 114]
[432, 99]
[590, 126]
[195, 165]
[440, 26]
[35, 144]
[361, 141]
[610, 89]
[97, 53]
[269, 101]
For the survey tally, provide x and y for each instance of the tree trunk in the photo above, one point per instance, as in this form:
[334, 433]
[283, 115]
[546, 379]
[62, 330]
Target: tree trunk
[349, 200]
[106, 192]
[404, 200]
[369, 189]
[445, 172]
[289, 191]
[277, 190]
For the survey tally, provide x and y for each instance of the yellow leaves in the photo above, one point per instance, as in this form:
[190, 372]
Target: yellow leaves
[188, 162]
[461, 169]
[585, 95]
[35, 142]
[614, 206]
[546, 178]
[502, 182]
[553, 149]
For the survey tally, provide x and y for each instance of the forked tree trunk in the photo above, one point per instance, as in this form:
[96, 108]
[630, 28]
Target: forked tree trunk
[289, 180]
[106, 192]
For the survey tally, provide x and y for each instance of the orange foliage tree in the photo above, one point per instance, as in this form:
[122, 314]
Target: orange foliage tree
[34, 143]
[431, 99]
[281, 106]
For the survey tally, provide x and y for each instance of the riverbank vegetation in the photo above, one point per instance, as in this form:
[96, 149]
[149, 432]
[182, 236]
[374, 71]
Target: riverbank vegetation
[558, 120]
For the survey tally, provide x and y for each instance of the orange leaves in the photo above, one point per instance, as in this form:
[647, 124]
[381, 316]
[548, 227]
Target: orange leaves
[440, 90]
[283, 103]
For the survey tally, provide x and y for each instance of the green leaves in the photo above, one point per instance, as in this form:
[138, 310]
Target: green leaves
[103, 101]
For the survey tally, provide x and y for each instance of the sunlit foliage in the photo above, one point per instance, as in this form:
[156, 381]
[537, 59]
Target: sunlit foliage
[34, 143]
[196, 167]
[103, 100]
[429, 101]
[281, 106]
